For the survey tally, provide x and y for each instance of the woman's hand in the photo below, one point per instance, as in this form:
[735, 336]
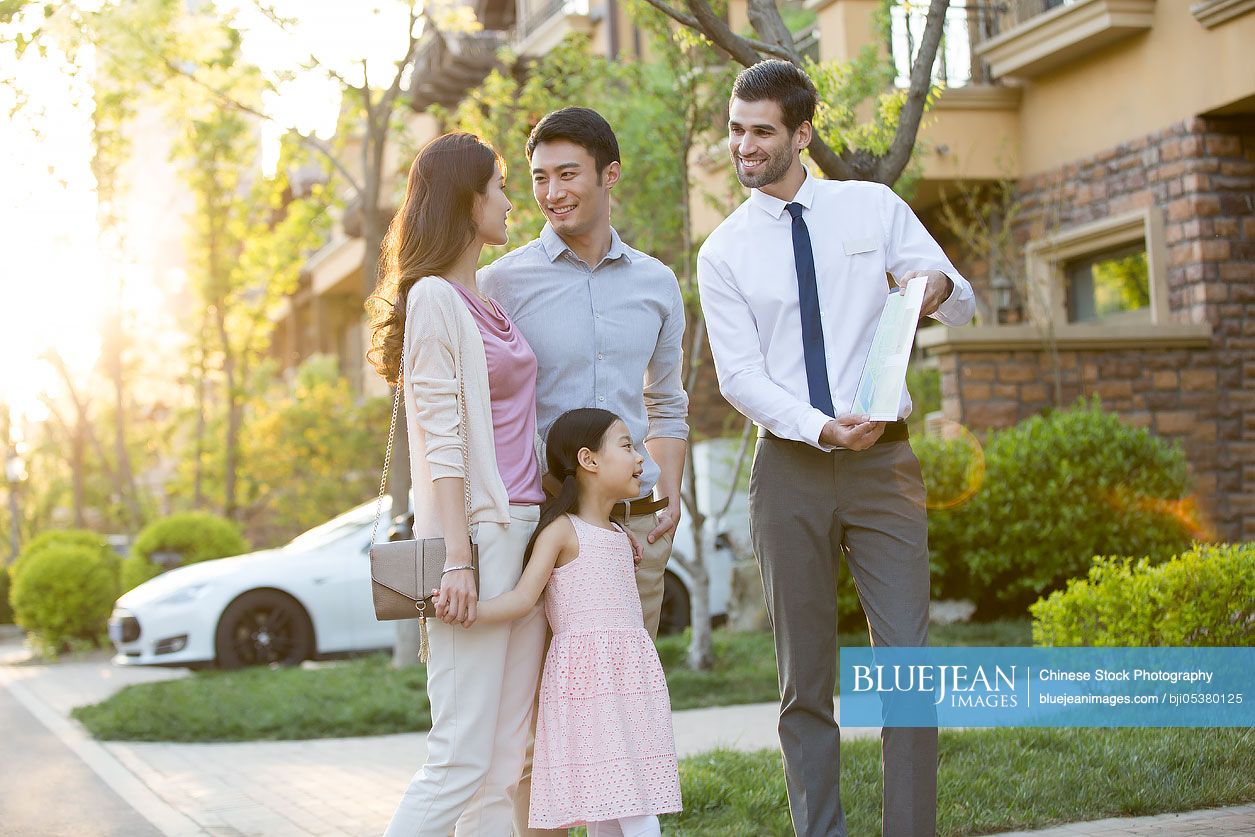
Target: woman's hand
[457, 601]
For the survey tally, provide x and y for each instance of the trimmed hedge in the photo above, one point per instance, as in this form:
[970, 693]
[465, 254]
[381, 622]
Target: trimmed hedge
[1205, 596]
[64, 592]
[69, 537]
[196, 536]
[1045, 497]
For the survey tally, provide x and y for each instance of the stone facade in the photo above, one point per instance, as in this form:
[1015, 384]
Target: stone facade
[1201, 175]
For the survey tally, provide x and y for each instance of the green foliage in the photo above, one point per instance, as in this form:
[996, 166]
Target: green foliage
[1205, 596]
[196, 536]
[309, 449]
[1020, 518]
[6, 609]
[56, 538]
[64, 592]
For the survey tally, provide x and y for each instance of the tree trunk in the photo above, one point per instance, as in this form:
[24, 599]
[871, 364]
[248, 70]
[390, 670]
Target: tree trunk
[202, 375]
[231, 452]
[125, 476]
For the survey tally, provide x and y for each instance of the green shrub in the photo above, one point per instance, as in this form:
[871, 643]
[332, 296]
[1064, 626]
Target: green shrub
[1049, 494]
[1205, 596]
[69, 537]
[64, 592]
[196, 536]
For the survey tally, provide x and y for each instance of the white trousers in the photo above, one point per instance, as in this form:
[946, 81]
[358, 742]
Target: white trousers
[482, 684]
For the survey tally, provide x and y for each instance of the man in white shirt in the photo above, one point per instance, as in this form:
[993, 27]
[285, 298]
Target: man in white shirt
[792, 286]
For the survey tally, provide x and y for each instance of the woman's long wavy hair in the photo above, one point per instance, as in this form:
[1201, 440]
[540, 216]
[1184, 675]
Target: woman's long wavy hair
[574, 429]
[435, 224]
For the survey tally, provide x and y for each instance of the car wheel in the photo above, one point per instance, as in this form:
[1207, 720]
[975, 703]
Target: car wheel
[263, 628]
[675, 606]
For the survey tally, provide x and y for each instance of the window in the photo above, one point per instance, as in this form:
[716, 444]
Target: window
[1113, 286]
[1109, 273]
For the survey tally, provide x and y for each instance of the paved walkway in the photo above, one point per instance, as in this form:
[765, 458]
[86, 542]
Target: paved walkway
[349, 786]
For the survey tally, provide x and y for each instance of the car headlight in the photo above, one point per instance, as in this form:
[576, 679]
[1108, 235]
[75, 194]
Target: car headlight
[187, 594]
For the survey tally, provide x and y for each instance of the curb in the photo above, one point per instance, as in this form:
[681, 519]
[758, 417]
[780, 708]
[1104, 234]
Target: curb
[122, 781]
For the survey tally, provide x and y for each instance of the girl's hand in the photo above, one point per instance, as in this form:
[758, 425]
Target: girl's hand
[637, 554]
[443, 611]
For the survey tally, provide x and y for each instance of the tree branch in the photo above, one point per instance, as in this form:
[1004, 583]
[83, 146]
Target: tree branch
[745, 51]
[229, 100]
[894, 161]
[764, 16]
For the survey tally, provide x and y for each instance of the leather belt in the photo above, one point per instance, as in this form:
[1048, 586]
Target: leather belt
[895, 431]
[640, 507]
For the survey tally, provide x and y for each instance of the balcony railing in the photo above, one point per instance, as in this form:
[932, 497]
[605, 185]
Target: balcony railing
[966, 25]
[1014, 12]
[533, 13]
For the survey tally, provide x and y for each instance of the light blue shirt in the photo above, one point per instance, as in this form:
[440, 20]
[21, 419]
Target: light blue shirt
[609, 336]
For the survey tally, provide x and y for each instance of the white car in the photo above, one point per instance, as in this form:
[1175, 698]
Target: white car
[310, 599]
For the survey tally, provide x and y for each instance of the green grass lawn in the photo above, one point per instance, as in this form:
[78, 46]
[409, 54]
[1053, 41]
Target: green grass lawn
[367, 697]
[991, 780]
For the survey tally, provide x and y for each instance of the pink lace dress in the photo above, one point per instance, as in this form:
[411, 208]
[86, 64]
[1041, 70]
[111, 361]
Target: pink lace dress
[604, 744]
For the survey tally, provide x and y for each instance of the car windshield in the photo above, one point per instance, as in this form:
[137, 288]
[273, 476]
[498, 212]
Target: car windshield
[351, 521]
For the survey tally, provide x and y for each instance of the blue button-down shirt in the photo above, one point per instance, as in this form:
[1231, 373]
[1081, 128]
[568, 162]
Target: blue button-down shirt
[608, 336]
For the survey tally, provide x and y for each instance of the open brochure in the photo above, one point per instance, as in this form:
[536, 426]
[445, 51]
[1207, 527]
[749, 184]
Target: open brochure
[884, 374]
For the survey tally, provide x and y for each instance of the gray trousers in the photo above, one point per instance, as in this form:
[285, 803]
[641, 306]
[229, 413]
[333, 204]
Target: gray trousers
[805, 505]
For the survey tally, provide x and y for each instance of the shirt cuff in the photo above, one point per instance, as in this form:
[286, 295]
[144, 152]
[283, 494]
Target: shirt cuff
[667, 428]
[812, 425]
[952, 305]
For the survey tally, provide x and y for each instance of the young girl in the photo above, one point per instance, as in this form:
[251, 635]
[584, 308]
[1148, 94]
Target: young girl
[605, 750]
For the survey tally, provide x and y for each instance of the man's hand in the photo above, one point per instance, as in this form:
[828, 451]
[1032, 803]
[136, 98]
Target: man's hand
[938, 290]
[668, 518]
[852, 432]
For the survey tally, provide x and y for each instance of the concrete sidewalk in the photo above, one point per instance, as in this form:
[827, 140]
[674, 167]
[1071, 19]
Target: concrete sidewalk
[350, 785]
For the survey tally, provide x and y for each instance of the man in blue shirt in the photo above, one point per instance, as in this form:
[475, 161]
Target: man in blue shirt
[606, 323]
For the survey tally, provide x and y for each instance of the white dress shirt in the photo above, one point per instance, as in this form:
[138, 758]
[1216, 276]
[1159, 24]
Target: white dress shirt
[745, 271]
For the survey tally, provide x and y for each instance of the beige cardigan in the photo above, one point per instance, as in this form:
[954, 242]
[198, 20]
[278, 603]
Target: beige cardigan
[443, 343]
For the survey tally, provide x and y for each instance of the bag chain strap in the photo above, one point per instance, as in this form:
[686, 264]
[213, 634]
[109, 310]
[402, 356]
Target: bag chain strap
[392, 426]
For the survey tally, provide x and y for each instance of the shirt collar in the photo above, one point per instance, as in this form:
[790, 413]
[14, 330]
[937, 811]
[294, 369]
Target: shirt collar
[775, 207]
[554, 246]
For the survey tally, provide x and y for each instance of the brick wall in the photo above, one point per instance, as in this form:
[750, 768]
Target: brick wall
[1201, 175]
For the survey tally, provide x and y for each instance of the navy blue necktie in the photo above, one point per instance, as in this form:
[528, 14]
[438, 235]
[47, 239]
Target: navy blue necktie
[808, 303]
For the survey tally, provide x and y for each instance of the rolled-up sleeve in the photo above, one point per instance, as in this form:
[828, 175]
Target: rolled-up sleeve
[910, 246]
[433, 380]
[666, 402]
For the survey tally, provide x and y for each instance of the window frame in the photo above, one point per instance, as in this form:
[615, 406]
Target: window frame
[1047, 259]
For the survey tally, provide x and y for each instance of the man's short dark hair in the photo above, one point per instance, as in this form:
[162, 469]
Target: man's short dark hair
[783, 83]
[583, 126]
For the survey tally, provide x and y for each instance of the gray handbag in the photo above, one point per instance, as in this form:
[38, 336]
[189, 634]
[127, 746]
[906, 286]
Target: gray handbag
[402, 573]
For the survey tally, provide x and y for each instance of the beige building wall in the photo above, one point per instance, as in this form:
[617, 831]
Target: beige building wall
[1175, 70]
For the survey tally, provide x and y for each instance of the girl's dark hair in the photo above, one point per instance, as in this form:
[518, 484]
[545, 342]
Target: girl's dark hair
[434, 225]
[574, 429]
[583, 126]
[785, 84]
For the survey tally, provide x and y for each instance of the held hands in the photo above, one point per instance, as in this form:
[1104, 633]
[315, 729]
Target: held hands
[938, 290]
[456, 601]
[637, 553]
[851, 432]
